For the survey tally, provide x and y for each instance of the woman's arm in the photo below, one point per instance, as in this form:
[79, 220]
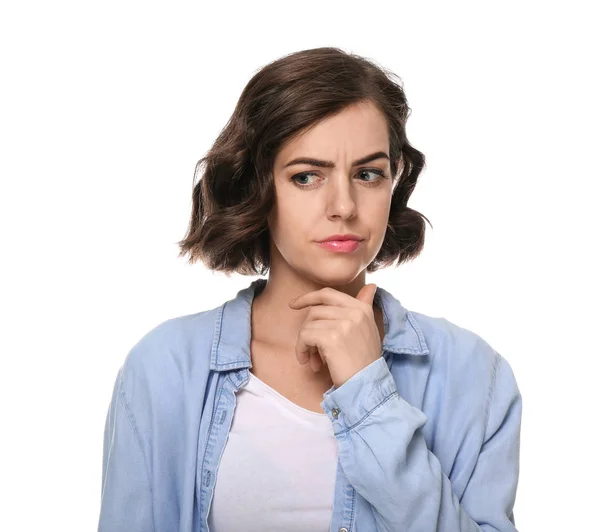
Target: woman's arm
[126, 495]
[385, 457]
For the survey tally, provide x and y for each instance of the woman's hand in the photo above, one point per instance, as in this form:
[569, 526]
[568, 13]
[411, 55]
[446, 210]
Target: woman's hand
[339, 331]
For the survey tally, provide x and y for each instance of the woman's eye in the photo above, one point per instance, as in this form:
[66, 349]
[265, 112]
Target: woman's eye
[300, 179]
[378, 173]
[303, 176]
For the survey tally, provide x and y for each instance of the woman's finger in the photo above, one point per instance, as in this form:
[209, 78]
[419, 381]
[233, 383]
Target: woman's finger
[315, 361]
[309, 338]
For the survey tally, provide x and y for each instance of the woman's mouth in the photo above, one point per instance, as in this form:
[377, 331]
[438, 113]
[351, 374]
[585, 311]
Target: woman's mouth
[340, 246]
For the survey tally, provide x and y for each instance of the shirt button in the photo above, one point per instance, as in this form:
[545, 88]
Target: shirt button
[335, 413]
[343, 529]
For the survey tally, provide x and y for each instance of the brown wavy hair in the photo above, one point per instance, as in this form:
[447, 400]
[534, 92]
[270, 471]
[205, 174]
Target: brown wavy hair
[233, 190]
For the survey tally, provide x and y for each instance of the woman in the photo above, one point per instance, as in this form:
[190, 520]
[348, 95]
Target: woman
[311, 401]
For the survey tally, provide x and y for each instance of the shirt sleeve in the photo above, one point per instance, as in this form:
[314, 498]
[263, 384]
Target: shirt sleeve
[404, 481]
[126, 500]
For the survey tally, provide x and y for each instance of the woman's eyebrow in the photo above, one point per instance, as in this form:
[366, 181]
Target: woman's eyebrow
[330, 164]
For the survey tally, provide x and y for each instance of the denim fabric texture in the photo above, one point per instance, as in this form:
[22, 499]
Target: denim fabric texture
[428, 435]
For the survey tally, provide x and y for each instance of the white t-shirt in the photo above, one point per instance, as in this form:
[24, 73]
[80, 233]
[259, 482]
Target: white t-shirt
[277, 472]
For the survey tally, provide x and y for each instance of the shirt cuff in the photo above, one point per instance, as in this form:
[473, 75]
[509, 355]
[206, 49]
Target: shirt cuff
[354, 400]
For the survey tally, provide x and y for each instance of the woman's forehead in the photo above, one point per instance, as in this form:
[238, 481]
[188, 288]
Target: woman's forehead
[342, 138]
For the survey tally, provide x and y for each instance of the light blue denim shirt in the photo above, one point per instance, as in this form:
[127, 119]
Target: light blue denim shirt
[428, 435]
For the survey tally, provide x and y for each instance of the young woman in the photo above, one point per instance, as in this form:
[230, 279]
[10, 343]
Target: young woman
[311, 401]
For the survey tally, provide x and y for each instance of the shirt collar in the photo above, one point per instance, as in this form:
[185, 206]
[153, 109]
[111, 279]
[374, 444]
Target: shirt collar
[231, 341]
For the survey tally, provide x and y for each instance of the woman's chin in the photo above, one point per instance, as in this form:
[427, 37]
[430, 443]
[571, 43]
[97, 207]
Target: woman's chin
[336, 274]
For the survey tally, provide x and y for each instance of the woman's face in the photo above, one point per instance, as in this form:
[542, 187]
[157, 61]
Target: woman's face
[346, 193]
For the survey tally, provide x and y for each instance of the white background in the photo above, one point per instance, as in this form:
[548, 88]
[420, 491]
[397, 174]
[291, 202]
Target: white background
[107, 106]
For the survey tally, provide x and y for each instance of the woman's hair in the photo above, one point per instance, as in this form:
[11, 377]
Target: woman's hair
[228, 229]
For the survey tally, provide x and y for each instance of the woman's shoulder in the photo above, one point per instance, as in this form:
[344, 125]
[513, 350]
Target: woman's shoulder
[446, 339]
[175, 350]
[464, 386]
[462, 354]
[163, 377]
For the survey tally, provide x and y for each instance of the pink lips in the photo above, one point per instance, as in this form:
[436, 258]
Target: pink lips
[340, 246]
